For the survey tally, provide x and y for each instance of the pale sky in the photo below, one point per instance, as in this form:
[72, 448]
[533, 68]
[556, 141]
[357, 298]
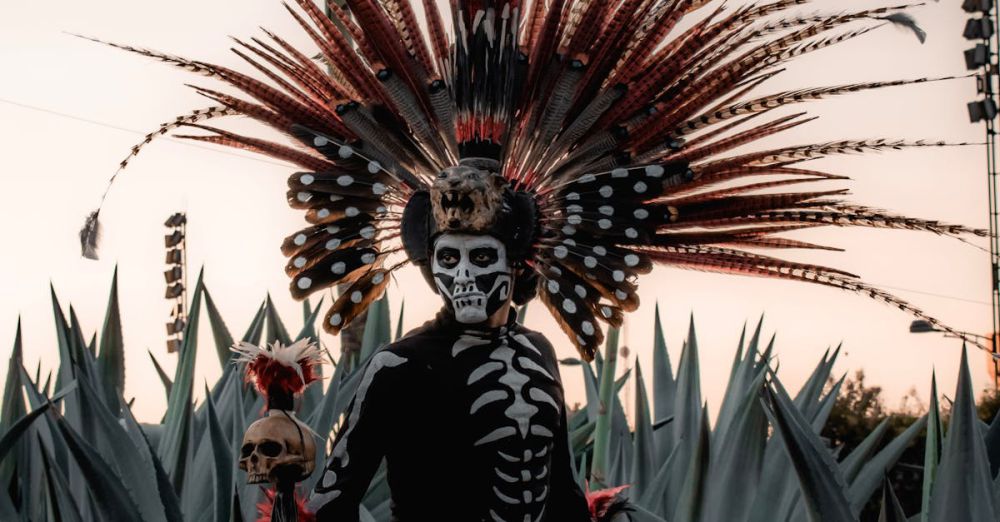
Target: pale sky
[55, 169]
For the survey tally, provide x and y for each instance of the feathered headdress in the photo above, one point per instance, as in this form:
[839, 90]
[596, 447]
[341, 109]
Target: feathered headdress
[614, 123]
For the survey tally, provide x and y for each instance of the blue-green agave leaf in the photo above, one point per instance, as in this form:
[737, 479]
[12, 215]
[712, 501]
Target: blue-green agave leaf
[58, 499]
[823, 490]
[933, 442]
[377, 331]
[600, 467]
[664, 388]
[111, 358]
[224, 464]
[891, 510]
[276, 330]
[644, 456]
[173, 448]
[692, 491]
[220, 332]
[963, 486]
[113, 502]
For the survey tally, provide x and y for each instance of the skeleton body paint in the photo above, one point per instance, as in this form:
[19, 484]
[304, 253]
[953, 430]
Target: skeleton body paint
[472, 274]
[471, 423]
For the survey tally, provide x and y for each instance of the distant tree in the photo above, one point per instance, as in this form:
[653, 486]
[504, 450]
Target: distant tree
[858, 410]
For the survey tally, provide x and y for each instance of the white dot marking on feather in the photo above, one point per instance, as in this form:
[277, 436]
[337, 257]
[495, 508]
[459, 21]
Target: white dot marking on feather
[607, 210]
[654, 171]
[368, 258]
[580, 291]
[320, 141]
[307, 179]
[641, 213]
[604, 223]
[323, 213]
[345, 151]
[299, 262]
[378, 278]
[574, 209]
[332, 229]
[618, 276]
[345, 180]
[304, 283]
[356, 296]
[338, 268]
[587, 178]
[606, 191]
[619, 173]
[352, 211]
[336, 319]
[568, 230]
[631, 233]
[374, 167]
[640, 187]
[300, 240]
[606, 312]
[336, 197]
[590, 261]
[587, 327]
[573, 196]
[378, 189]
[368, 232]
[560, 251]
[569, 242]
[601, 251]
[581, 341]
[303, 197]
[569, 306]
[631, 259]
[574, 219]
[621, 295]
[333, 244]
[553, 286]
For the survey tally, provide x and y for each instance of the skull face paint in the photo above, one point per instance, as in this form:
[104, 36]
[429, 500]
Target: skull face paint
[472, 274]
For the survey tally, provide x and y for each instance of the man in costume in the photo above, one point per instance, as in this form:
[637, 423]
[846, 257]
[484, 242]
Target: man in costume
[467, 410]
[560, 147]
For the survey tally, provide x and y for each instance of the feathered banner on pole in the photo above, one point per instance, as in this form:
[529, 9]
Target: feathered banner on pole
[279, 448]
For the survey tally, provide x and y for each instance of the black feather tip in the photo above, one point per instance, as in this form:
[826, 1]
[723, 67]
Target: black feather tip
[90, 235]
[907, 22]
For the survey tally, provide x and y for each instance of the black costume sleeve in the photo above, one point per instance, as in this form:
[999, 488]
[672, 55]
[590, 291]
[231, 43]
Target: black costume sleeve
[568, 501]
[361, 442]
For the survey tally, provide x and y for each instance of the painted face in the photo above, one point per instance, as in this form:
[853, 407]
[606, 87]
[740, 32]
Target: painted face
[472, 274]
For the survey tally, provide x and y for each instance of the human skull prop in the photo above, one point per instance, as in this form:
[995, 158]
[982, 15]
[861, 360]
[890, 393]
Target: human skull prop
[278, 445]
[473, 275]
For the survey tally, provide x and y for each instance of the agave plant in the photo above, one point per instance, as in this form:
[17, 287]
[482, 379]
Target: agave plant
[70, 449]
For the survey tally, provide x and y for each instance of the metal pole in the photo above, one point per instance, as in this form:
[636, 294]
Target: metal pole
[990, 71]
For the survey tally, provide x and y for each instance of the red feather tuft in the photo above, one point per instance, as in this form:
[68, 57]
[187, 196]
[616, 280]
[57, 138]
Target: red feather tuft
[264, 508]
[603, 501]
[277, 368]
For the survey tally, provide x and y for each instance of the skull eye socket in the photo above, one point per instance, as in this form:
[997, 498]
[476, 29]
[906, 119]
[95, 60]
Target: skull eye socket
[270, 449]
[484, 257]
[447, 257]
[247, 449]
